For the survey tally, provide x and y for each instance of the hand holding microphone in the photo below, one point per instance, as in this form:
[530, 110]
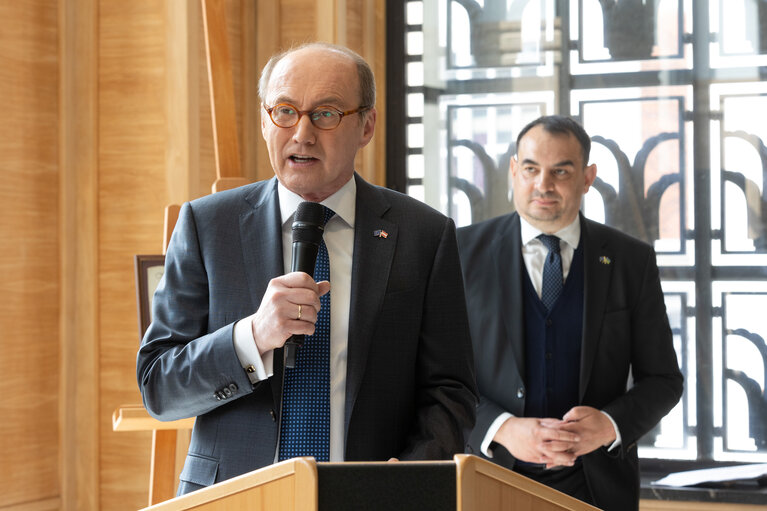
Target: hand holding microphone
[308, 227]
[276, 323]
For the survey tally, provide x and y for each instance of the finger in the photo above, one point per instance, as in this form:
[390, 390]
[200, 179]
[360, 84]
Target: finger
[578, 413]
[550, 423]
[560, 463]
[297, 279]
[323, 287]
[558, 458]
[579, 427]
[301, 312]
[290, 298]
[556, 446]
[548, 434]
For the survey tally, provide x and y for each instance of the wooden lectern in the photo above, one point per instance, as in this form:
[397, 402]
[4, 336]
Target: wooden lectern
[468, 483]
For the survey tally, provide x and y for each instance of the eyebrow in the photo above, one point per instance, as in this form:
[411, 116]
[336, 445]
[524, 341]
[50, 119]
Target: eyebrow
[563, 163]
[327, 101]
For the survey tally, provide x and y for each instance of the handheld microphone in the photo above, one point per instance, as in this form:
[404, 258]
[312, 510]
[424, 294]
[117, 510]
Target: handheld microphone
[307, 236]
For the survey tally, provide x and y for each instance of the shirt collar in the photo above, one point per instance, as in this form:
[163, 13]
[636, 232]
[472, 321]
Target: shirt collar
[570, 234]
[342, 202]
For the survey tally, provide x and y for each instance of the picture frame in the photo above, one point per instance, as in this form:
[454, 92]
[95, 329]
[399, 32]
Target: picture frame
[149, 270]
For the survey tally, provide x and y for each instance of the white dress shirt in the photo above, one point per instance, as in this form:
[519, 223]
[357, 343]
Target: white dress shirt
[534, 254]
[339, 240]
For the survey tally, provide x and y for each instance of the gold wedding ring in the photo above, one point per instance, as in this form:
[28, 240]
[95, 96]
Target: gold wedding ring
[299, 311]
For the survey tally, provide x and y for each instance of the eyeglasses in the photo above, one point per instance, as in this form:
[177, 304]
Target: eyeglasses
[285, 115]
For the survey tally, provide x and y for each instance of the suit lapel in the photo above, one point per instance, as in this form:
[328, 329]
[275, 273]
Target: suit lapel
[597, 269]
[509, 282]
[372, 260]
[261, 234]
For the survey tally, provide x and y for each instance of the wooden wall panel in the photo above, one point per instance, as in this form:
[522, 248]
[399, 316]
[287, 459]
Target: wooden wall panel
[363, 23]
[182, 100]
[268, 42]
[252, 142]
[29, 257]
[298, 22]
[132, 194]
[78, 388]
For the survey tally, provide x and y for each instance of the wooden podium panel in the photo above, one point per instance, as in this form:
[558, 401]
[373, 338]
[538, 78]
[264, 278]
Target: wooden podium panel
[483, 485]
[291, 484]
[468, 483]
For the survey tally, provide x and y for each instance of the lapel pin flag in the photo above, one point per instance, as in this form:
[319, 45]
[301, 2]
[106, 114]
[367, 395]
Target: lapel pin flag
[604, 260]
[380, 233]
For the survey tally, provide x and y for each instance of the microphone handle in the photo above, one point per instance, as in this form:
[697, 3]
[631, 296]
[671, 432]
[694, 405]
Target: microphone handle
[304, 259]
[291, 348]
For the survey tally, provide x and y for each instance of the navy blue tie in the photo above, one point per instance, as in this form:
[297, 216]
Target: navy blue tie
[552, 271]
[305, 426]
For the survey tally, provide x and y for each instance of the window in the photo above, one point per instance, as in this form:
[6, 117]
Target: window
[674, 95]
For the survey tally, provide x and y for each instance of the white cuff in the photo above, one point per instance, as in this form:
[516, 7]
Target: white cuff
[617, 433]
[258, 367]
[491, 431]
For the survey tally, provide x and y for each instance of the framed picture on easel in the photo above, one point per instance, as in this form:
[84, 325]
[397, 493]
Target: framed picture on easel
[149, 271]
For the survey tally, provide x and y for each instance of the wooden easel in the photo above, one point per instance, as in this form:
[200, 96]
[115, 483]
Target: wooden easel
[167, 435]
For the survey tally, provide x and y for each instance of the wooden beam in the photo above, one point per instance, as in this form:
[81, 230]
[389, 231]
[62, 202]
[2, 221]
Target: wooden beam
[268, 25]
[182, 101]
[79, 389]
[223, 109]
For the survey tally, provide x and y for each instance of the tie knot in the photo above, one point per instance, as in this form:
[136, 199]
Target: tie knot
[328, 214]
[551, 242]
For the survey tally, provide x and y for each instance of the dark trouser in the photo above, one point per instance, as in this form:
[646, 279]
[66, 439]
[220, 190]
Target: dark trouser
[569, 480]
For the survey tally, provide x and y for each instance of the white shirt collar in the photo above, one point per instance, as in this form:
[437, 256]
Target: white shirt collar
[570, 234]
[342, 202]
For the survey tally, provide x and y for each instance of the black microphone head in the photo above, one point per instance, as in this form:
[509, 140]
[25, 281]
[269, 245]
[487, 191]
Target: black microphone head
[308, 223]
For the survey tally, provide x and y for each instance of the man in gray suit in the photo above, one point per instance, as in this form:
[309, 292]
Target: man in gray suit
[397, 360]
[563, 312]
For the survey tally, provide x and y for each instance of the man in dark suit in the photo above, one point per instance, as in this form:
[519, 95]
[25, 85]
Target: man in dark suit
[395, 362]
[558, 332]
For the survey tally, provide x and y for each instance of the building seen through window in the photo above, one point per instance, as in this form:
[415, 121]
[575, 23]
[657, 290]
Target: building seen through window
[674, 95]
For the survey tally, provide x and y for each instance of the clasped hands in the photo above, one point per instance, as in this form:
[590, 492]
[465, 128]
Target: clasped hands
[556, 442]
[289, 307]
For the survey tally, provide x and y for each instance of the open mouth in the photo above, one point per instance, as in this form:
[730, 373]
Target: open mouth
[302, 159]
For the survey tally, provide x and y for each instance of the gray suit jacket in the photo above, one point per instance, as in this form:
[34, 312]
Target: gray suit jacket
[410, 390]
[625, 333]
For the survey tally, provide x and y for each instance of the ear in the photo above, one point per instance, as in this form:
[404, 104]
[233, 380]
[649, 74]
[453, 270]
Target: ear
[368, 127]
[590, 174]
[513, 166]
[264, 119]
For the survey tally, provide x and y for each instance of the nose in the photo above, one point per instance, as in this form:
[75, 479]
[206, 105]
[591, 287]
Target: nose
[304, 131]
[545, 180]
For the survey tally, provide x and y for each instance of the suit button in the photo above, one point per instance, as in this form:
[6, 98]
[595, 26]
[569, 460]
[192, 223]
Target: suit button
[233, 387]
[217, 396]
[521, 392]
[548, 355]
[549, 322]
[273, 415]
[227, 392]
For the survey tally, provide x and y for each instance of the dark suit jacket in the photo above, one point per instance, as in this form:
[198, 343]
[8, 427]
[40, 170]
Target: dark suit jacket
[625, 333]
[410, 390]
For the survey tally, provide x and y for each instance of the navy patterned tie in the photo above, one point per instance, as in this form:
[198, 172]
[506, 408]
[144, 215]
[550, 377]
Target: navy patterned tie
[552, 271]
[305, 426]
